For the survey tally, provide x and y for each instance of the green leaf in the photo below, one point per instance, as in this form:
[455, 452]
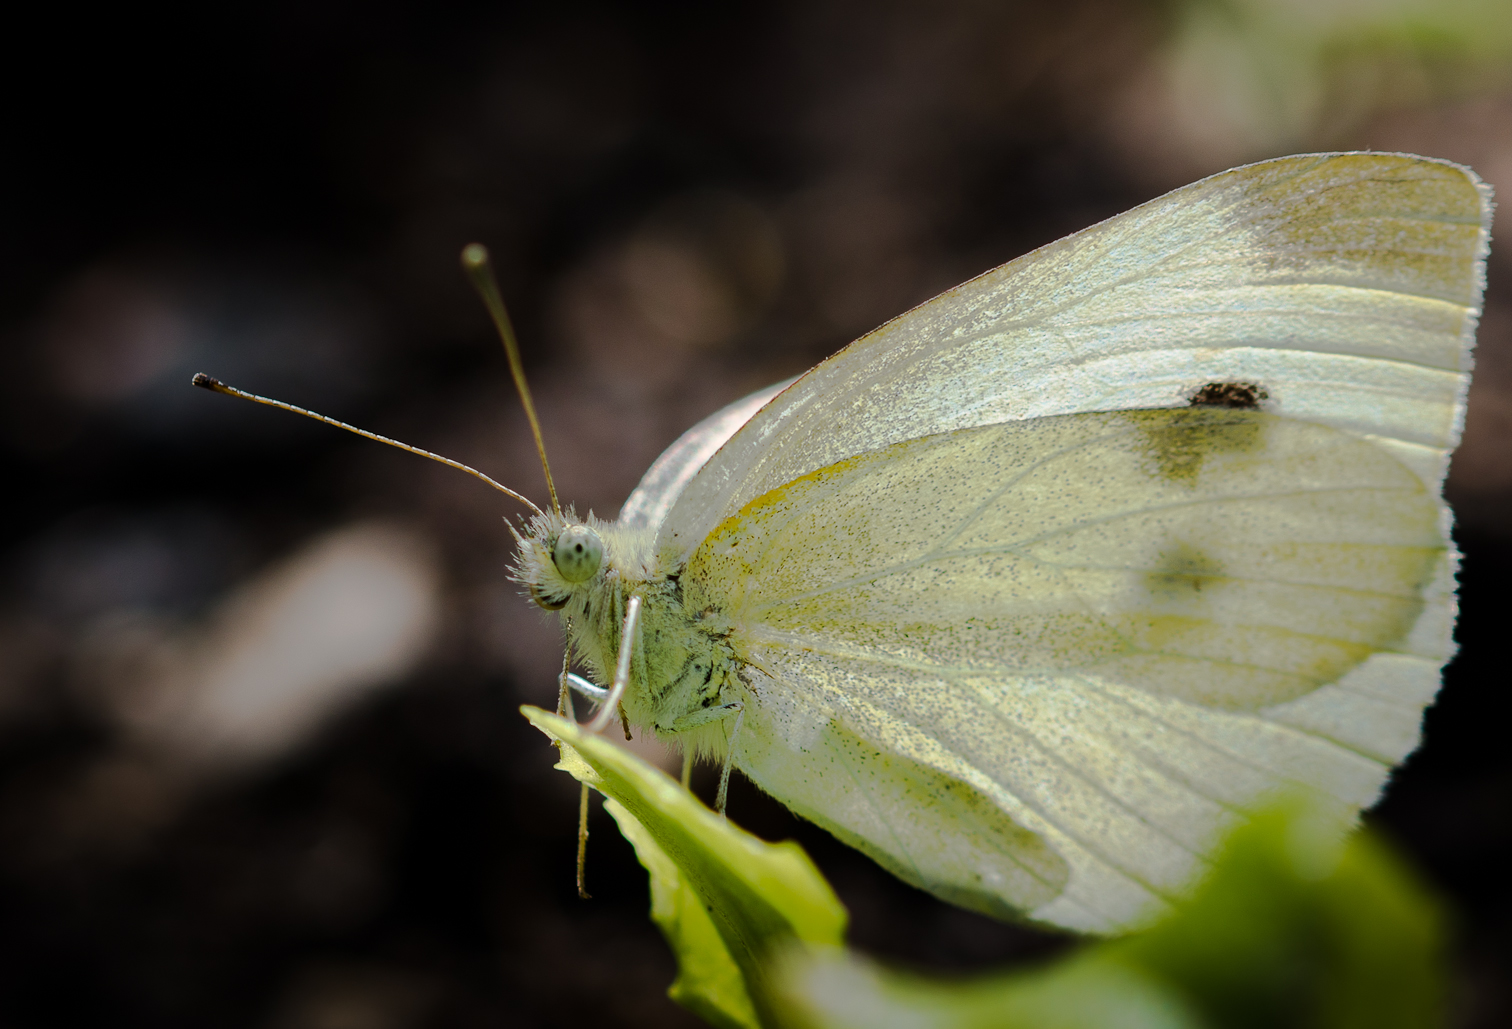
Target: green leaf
[708, 982]
[1290, 929]
[1294, 929]
[836, 990]
[756, 899]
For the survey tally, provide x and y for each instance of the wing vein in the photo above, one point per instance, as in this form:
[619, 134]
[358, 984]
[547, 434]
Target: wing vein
[1055, 759]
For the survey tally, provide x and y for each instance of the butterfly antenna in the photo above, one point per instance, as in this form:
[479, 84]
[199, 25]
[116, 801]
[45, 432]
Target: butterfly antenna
[476, 264]
[216, 386]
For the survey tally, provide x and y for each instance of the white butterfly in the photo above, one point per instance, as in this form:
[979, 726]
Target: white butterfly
[1032, 592]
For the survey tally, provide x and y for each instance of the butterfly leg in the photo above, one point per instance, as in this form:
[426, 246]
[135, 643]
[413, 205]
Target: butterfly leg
[582, 851]
[703, 717]
[724, 773]
[566, 683]
[576, 682]
[564, 695]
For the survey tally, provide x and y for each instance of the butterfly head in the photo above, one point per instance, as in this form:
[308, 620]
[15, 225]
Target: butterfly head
[559, 555]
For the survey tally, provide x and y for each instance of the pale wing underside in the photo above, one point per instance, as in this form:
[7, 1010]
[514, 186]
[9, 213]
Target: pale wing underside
[1039, 666]
[1347, 285]
[659, 488]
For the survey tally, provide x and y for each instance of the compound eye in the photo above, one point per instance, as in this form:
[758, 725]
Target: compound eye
[578, 553]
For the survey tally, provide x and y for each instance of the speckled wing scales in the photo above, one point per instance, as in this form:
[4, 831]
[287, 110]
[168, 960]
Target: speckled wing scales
[1037, 666]
[1030, 688]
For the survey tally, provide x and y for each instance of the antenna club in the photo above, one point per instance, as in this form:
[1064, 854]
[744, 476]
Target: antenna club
[209, 382]
[474, 257]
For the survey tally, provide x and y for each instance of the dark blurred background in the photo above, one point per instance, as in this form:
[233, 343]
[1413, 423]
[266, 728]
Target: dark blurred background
[260, 757]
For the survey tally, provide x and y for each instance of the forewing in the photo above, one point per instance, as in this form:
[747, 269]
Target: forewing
[1040, 665]
[1346, 285]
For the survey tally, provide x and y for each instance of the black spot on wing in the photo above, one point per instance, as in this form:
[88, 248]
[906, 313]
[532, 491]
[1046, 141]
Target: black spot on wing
[1241, 396]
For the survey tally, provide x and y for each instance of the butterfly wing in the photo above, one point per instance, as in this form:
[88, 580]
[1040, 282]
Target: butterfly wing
[1035, 659]
[659, 488]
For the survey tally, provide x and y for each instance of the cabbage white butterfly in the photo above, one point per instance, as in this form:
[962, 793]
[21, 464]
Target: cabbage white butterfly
[1032, 592]
[1029, 593]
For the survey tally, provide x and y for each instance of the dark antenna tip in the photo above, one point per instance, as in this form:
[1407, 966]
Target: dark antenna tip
[204, 381]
